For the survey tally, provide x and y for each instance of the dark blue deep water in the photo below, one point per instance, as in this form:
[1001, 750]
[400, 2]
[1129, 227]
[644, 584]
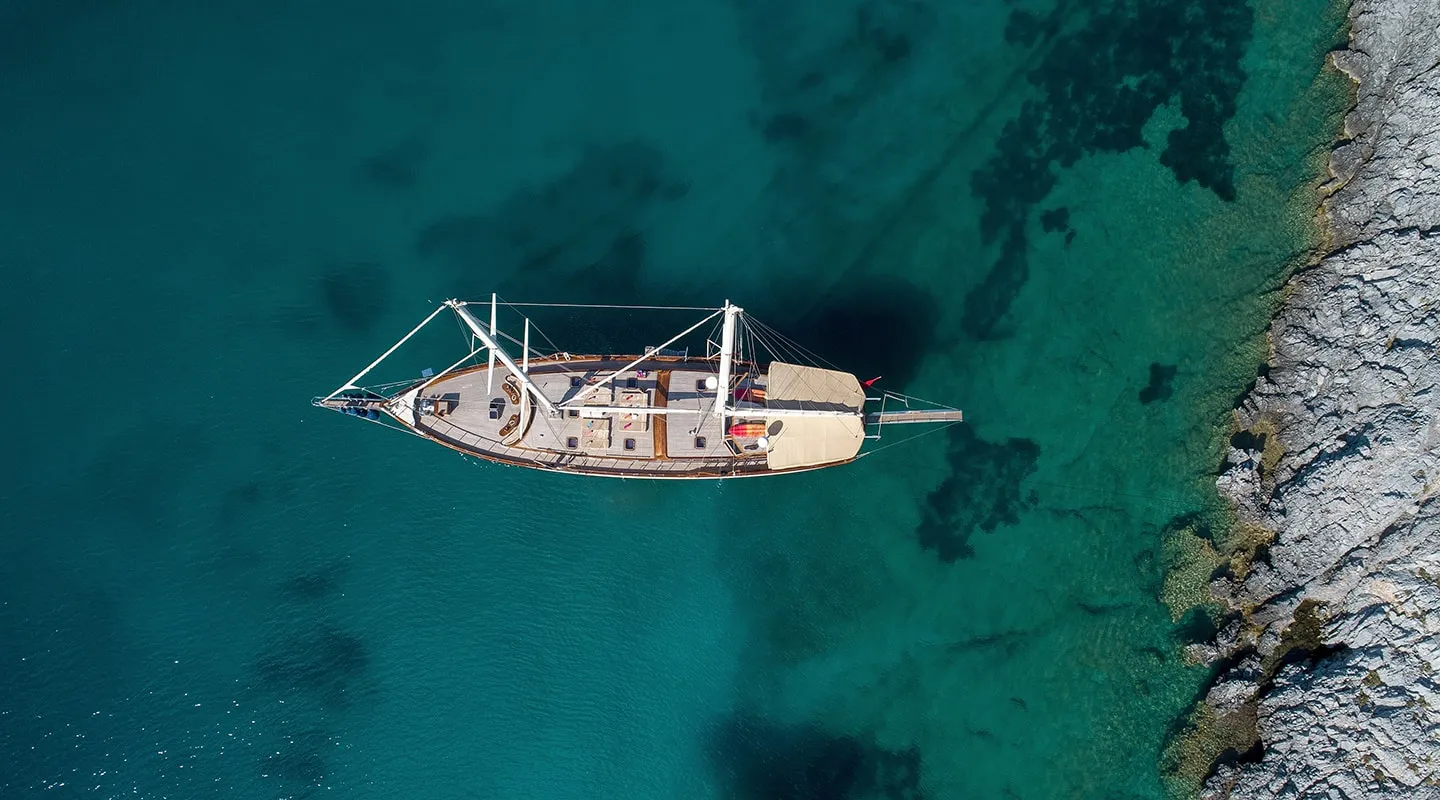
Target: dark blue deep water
[1068, 218]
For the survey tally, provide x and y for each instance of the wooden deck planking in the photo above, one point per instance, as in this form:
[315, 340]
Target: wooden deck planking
[661, 427]
[683, 391]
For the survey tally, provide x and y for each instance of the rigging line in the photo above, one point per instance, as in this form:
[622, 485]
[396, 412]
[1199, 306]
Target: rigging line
[381, 388]
[549, 425]
[769, 347]
[782, 353]
[758, 343]
[710, 337]
[351, 383]
[749, 334]
[747, 344]
[502, 334]
[809, 386]
[609, 379]
[442, 373]
[757, 349]
[465, 332]
[553, 347]
[603, 305]
[798, 357]
[764, 343]
[803, 379]
[717, 335]
[548, 420]
[718, 399]
[739, 334]
[533, 324]
[908, 439]
[907, 397]
[817, 394]
[783, 349]
[394, 426]
[517, 342]
[763, 331]
[815, 356]
[738, 354]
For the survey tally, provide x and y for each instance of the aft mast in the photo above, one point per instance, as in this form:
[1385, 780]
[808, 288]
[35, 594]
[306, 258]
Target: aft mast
[525, 368]
[727, 352]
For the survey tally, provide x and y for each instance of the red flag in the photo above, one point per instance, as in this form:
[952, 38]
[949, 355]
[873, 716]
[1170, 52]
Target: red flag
[871, 382]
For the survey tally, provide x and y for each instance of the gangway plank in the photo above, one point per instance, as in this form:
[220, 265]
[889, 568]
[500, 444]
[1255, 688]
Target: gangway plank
[913, 416]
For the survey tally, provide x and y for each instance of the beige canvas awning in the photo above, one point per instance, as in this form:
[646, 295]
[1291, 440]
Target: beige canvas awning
[794, 386]
[809, 441]
[802, 441]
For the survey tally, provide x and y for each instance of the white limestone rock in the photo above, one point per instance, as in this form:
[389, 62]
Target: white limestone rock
[1354, 391]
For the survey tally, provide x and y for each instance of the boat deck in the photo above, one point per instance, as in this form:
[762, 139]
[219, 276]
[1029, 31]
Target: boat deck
[470, 412]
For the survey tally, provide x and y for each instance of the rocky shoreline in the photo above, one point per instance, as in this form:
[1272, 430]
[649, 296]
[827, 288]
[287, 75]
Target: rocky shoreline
[1330, 650]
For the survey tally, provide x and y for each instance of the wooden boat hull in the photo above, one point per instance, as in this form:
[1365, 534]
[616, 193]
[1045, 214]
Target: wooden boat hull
[478, 413]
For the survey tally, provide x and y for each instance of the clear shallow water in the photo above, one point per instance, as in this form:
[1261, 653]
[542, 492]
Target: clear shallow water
[209, 589]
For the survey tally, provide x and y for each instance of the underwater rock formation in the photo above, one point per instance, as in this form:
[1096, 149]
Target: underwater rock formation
[758, 759]
[1333, 644]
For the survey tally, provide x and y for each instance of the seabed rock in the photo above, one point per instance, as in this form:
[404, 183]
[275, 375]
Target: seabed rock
[1340, 636]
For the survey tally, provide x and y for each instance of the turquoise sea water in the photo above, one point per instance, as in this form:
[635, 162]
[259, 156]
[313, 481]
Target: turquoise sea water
[1068, 218]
